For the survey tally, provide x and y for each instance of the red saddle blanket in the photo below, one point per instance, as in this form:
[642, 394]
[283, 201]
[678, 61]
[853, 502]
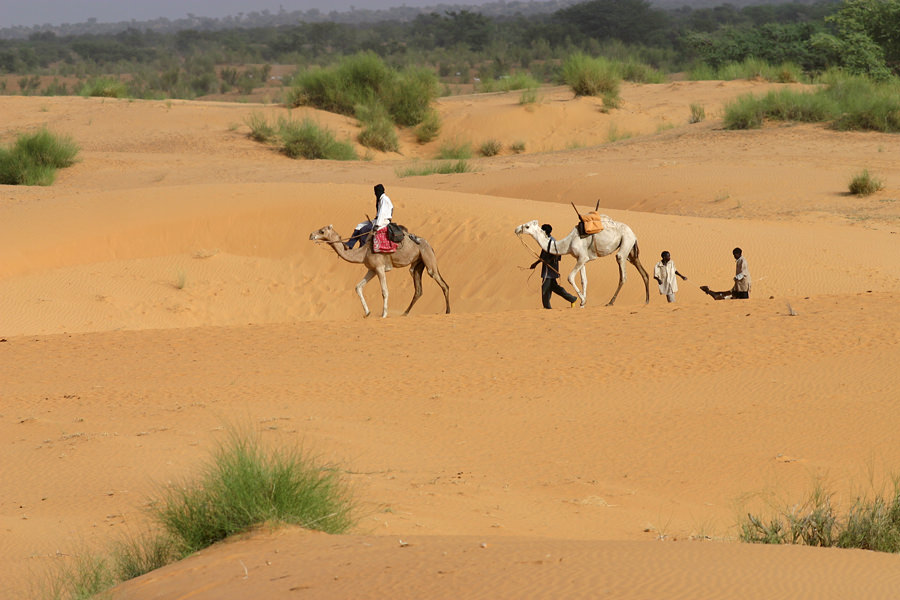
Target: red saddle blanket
[381, 243]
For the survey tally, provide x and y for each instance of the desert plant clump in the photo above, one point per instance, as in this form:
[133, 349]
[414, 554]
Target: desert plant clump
[517, 147]
[588, 76]
[260, 128]
[104, 87]
[429, 128]
[244, 485]
[455, 150]
[378, 131]
[869, 524]
[306, 139]
[491, 148]
[864, 184]
[34, 158]
[698, 113]
[446, 167]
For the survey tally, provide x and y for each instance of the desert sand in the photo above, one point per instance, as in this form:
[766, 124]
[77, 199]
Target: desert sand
[164, 290]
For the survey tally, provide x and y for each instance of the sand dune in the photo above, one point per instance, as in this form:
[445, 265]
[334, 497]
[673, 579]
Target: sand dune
[165, 287]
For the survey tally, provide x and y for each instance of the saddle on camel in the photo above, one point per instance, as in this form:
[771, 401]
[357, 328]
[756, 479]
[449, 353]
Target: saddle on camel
[388, 238]
[590, 223]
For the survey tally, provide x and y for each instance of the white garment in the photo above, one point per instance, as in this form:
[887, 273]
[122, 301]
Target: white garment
[385, 212]
[666, 275]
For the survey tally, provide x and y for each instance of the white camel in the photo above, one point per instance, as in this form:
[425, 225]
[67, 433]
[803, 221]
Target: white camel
[615, 237]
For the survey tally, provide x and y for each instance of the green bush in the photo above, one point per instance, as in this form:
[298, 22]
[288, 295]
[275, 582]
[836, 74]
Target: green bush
[34, 158]
[105, 87]
[260, 128]
[365, 79]
[378, 131]
[439, 168]
[870, 524]
[455, 150]
[246, 485]
[305, 139]
[591, 76]
[429, 128]
[864, 184]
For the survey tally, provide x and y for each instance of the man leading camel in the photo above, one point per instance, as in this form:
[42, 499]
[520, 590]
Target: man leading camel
[550, 272]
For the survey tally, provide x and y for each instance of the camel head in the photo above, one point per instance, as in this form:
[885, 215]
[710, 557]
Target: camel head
[326, 234]
[531, 228]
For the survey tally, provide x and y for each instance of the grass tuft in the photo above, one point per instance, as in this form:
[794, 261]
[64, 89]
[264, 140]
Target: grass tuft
[34, 158]
[305, 139]
[864, 184]
[491, 148]
[589, 76]
[447, 167]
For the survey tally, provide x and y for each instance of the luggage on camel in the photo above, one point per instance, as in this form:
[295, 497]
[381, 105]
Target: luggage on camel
[381, 243]
[590, 223]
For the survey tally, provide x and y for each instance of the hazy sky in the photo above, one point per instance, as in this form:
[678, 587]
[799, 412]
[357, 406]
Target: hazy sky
[56, 12]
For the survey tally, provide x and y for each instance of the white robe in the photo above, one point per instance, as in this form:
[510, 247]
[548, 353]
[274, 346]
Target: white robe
[666, 275]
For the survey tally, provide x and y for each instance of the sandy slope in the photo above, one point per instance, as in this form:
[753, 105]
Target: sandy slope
[165, 288]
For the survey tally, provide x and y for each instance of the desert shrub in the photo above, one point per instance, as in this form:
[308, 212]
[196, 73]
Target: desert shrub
[864, 184]
[365, 79]
[34, 158]
[749, 68]
[869, 524]
[517, 147]
[305, 139]
[528, 96]
[639, 72]
[518, 81]
[748, 112]
[455, 150]
[698, 113]
[447, 167]
[589, 76]
[246, 485]
[260, 128]
[378, 131]
[105, 87]
[491, 148]
[429, 128]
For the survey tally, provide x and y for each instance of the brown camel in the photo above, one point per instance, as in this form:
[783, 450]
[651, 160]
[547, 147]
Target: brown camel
[413, 251]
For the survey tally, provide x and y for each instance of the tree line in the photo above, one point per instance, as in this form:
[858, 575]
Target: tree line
[857, 35]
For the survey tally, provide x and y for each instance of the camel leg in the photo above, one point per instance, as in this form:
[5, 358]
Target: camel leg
[445, 287]
[582, 293]
[382, 278]
[620, 259]
[633, 259]
[359, 290]
[416, 271]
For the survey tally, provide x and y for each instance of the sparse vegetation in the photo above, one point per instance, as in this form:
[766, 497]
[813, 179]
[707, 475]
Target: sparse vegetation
[260, 128]
[848, 102]
[446, 167]
[455, 150]
[104, 87]
[491, 148]
[244, 486]
[517, 147]
[378, 131]
[698, 113]
[306, 139]
[864, 184]
[589, 76]
[34, 158]
[429, 128]
[869, 524]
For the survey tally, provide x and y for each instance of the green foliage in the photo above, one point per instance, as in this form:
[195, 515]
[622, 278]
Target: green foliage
[640, 72]
[365, 79]
[34, 158]
[698, 113]
[246, 485]
[378, 131]
[105, 87]
[864, 184]
[517, 147]
[438, 168]
[455, 150]
[630, 21]
[260, 128]
[870, 524]
[589, 76]
[429, 128]
[305, 139]
[848, 102]
[749, 68]
[866, 39]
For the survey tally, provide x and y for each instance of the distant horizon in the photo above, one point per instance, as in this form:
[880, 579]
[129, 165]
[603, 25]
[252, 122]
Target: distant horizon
[59, 12]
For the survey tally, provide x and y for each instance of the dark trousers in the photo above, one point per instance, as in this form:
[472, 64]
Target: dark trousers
[740, 295]
[359, 236]
[551, 286]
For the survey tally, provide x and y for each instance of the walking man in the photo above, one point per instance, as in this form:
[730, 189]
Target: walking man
[550, 272]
